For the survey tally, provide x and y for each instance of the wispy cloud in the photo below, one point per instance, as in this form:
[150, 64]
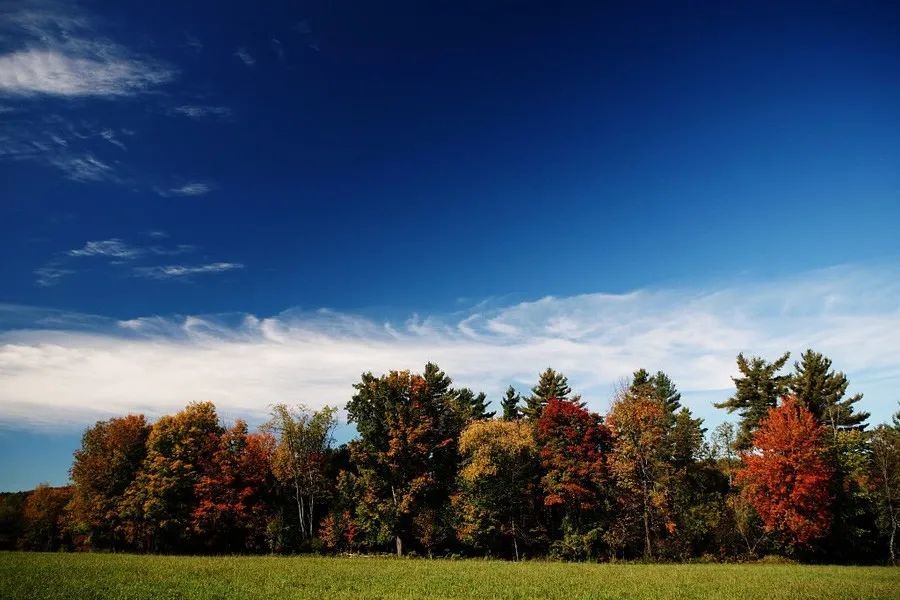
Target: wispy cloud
[61, 53]
[55, 49]
[55, 374]
[113, 248]
[185, 271]
[50, 276]
[195, 111]
[84, 167]
[245, 57]
[196, 188]
[84, 70]
[115, 251]
[110, 136]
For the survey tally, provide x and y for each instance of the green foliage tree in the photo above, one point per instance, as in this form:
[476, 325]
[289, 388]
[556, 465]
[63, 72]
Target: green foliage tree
[300, 459]
[757, 390]
[884, 482]
[473, 406]
[109, 459]
[660, 386]
[498, 504]
[157, 506]
[551, 384]
[822, 391]
[510, 405]
[639, 422]
[406, 455]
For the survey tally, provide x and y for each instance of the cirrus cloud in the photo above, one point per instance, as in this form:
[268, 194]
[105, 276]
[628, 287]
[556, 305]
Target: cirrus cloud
[58, 369]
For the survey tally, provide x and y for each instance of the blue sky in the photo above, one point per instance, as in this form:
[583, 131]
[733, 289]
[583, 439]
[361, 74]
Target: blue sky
[252, 205]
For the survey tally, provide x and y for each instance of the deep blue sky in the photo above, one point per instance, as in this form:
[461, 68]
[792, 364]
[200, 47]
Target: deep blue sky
[472, 152]
[389, 158]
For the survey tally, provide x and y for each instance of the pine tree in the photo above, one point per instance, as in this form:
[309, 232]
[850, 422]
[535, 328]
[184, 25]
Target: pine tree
[510, 404]
[756, 392]
[667, 392]
[822, 391]
[475, 406]
[551, 384]
[659, 386]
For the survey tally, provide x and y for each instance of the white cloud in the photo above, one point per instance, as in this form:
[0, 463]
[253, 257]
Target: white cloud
[245, 57]
[50, 276]
[113, 248]
[183, 271]
[110, 136]
[196, 111]
[82, 168]
[61, 53]
[59, 373]
[101, 71]
[197, 188]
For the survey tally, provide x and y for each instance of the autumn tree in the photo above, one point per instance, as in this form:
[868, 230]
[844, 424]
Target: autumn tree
[234, 494]
[884, 482]
[157, 507]
[499, 484]
[44, 517]
[300, 458]
[757, 390]
[108, 460]
[406, 455]
[573, 443]
[639, 463]
[511, 404]
[785, 476]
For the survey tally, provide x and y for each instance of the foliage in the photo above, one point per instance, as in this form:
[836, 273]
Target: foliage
[639, 423]
[406, 455]
[822, 391]
[300, 458]
[551, 384]
[233, 495]
[107, 462]
[499, 497]
[785, 478]
[757, 391]
[511, 404]
[884, 482]
[43, 515]
[158, 505]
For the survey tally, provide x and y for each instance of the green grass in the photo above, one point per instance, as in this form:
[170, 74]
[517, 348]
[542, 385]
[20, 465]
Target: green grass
[84, 576]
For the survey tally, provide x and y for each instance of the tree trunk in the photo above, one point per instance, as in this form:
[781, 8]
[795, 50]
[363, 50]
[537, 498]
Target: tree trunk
[399, 546]
[515, 541]
[891, 542]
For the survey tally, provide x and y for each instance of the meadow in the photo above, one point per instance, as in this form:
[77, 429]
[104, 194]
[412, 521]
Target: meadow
[123, 576]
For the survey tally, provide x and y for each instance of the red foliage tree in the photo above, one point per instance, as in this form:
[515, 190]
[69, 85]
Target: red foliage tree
[571, 441]
[785, 476]
[232, 497]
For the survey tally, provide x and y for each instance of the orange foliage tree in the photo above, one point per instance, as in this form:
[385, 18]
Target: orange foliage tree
[785, 476]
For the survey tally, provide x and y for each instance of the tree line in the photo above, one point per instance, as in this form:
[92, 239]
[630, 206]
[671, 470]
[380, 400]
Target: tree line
[434, 472]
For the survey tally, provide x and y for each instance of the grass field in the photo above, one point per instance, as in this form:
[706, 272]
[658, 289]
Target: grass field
[84, 576]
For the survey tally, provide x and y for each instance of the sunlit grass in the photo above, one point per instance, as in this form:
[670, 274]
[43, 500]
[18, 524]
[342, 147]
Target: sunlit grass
[83, 576]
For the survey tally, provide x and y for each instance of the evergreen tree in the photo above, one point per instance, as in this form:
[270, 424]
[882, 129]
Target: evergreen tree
[510, 404]
[822, 391]
[659, 386]
[666, 391]
[756, 392]
[551, 384]
[473, 406]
